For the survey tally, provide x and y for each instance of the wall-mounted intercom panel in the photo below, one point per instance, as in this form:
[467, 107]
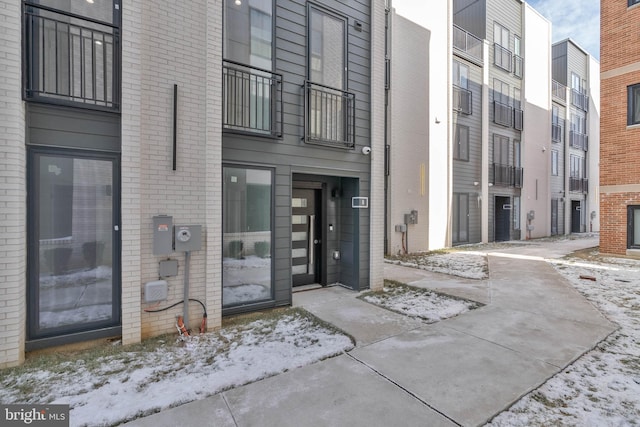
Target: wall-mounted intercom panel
[162, 235]
[187, 238]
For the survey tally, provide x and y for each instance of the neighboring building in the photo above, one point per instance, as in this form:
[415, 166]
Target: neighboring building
[620, 128]
[575, 143]
[123, 119]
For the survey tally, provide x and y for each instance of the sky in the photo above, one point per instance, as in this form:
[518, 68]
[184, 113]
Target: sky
[575, 19]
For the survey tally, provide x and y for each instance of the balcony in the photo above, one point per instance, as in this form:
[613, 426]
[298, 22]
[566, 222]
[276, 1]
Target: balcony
[462, 100]
[467, 43]
[518, 66]
[578, 140]
[70, 59]
[557, 133]
[559, 91]
[502, 57]
[578, 185]
[580, 100]
[502, 114]
[330, 116]
[251, 100]
[507, 176]
[518, 119]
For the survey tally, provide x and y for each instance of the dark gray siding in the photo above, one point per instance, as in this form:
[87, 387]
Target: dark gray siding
[559, 63]
[348, 171]
[471, 16]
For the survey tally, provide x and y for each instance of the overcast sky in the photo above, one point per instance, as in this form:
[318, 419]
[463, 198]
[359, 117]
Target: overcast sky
[575, 19]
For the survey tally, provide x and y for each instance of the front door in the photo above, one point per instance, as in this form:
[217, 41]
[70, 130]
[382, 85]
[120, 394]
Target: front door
[305, 236]
[74, 252]
[502, 218]
[575, 216]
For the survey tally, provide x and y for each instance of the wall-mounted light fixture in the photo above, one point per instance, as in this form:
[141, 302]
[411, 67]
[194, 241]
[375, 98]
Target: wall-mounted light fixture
[476, 183]
[238, 3]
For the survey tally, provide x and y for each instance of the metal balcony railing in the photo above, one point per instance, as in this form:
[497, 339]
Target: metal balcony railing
[579, 140]
[502, 57]
[580, 100]
[506, 175]
[578, 185]
[467, 43]
[558, 90]
[70, 59]
[462, 99]
[518, 119]
[502, 114]
[557, 133]
[518, 66]
[329, 116]
[251, 100]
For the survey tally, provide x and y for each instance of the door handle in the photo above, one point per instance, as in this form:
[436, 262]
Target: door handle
[312, 234]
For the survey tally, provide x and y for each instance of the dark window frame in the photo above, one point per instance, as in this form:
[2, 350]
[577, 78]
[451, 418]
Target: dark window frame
[461, 147]
[459, 219]
[631, 226]
[632, 2]
[633, 103]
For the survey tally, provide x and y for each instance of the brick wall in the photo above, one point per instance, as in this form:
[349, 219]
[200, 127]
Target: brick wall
[12, 189]
[619, 144]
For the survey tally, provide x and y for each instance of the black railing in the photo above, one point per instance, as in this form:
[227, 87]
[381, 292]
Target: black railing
[70, 59]
[506, 175]
[518, 66]
[518, 119]
[579, 140]
[330, 116]
[558, 90]
[502, 57]
[557, 133]
[580, 100]
[467, 43]
[251, 100]
[502, 114]
[578, 185]
[462, 100]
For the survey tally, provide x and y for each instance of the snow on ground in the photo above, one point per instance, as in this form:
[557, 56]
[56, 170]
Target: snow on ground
[128, 384]
[602, 388]
[416, 302]
[469, 264]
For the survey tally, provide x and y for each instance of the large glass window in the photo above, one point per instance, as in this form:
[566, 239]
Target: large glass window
[247, 235]
[554, 162]
[633, 104]
[460, 75]
[460, 218]
[248, 32]
[633, 213]
[73, 268]
[461, 148]
[326, 48]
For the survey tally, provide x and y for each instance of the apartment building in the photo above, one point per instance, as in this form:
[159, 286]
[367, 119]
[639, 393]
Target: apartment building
[155, 153]
[619, 129]
[575, 140]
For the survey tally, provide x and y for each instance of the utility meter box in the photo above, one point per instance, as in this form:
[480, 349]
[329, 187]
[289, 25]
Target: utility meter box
[162, 235]
[411, 218]
[187, 238]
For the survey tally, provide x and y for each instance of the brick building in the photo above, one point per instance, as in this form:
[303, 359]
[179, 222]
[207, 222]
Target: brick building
[620, 128]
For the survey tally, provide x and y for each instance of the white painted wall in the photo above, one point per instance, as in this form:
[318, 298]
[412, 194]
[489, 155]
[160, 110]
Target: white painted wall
[536, 136]
[435, 16]
[593, 166]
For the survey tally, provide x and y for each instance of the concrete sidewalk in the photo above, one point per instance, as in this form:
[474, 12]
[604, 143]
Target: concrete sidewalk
[461, 371]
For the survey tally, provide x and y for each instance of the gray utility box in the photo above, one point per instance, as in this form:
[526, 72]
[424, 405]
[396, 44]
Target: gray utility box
[188, 238]
[162, 235]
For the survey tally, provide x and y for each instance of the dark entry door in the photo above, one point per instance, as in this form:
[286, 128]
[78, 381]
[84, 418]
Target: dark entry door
[575, 216]
[502, 218]
[305, 236]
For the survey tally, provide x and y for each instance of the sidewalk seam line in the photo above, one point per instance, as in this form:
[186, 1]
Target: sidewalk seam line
[409, 392]
[229, 408]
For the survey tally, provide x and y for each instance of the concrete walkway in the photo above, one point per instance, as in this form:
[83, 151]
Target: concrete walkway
[461, 371]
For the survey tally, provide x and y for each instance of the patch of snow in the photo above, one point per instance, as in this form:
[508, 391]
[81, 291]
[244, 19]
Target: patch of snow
[470, 265]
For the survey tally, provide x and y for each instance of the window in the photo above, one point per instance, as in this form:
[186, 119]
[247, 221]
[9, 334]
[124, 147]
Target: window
[554, 162]
[248, 32]
[579, 122]
[501, 53]
[500, 149]
[632, 2]
[460, 226]
[516, 45]
[500, 91]
[633, 232]
[461, 92]
[500, 35]
[247, 235]
[554, 217]
[518, 114]
[461, 148]
[502, 113]
[633, 104]
[576, 82]
[576, 166]
[518, 66]
[326, 48]
[460, 75]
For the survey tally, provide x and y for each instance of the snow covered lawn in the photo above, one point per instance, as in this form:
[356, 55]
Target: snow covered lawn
[118, 384]
[602, 388]
[467, 264]
[416, 302]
